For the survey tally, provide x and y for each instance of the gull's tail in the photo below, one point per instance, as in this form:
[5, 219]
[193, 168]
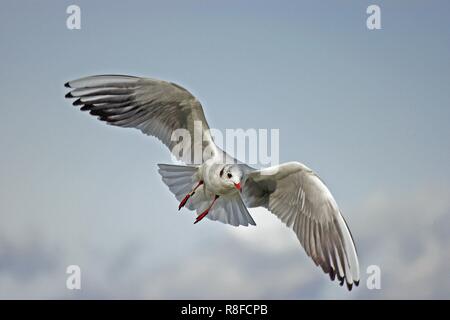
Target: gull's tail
[180, 179]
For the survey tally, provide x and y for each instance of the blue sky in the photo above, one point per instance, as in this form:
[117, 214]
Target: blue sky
[368, 110]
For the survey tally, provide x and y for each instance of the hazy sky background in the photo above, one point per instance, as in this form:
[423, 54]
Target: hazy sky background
[368, 110]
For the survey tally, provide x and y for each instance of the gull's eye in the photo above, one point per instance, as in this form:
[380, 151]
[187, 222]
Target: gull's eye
[229, 175]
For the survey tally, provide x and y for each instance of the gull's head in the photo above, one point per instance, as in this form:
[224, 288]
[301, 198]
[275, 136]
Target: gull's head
[231, 176]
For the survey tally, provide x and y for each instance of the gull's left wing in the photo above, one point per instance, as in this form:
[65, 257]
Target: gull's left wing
[297, 196]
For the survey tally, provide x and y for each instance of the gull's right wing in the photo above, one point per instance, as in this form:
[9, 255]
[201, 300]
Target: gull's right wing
[155, 107]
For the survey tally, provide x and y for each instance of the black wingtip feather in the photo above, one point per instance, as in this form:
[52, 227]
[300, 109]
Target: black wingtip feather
[356, 283]
[332, 275]
[67, 85]
[349, 286]
[96, 112]
[69, 95]
[77, 102]
[86, 107]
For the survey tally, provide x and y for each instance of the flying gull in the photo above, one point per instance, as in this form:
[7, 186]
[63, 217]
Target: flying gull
[218, 186]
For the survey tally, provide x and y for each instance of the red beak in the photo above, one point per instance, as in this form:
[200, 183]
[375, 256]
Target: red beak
[238, 186]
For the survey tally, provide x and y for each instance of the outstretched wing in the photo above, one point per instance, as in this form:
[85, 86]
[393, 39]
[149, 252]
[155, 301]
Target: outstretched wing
[301, 200]
[155, 107]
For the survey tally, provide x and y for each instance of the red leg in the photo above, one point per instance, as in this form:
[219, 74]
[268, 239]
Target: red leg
[204, 213]
[190, 194]
[183, 202]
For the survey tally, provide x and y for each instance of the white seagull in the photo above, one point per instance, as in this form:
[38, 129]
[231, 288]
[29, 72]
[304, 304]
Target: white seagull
[220, 187]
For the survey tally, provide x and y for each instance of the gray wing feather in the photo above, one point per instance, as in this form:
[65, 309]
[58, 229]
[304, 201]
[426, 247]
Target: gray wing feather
[155, 107]
[301, 200]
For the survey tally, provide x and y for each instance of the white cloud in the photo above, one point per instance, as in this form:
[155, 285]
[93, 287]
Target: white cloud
[270, 234]
[405, 233]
